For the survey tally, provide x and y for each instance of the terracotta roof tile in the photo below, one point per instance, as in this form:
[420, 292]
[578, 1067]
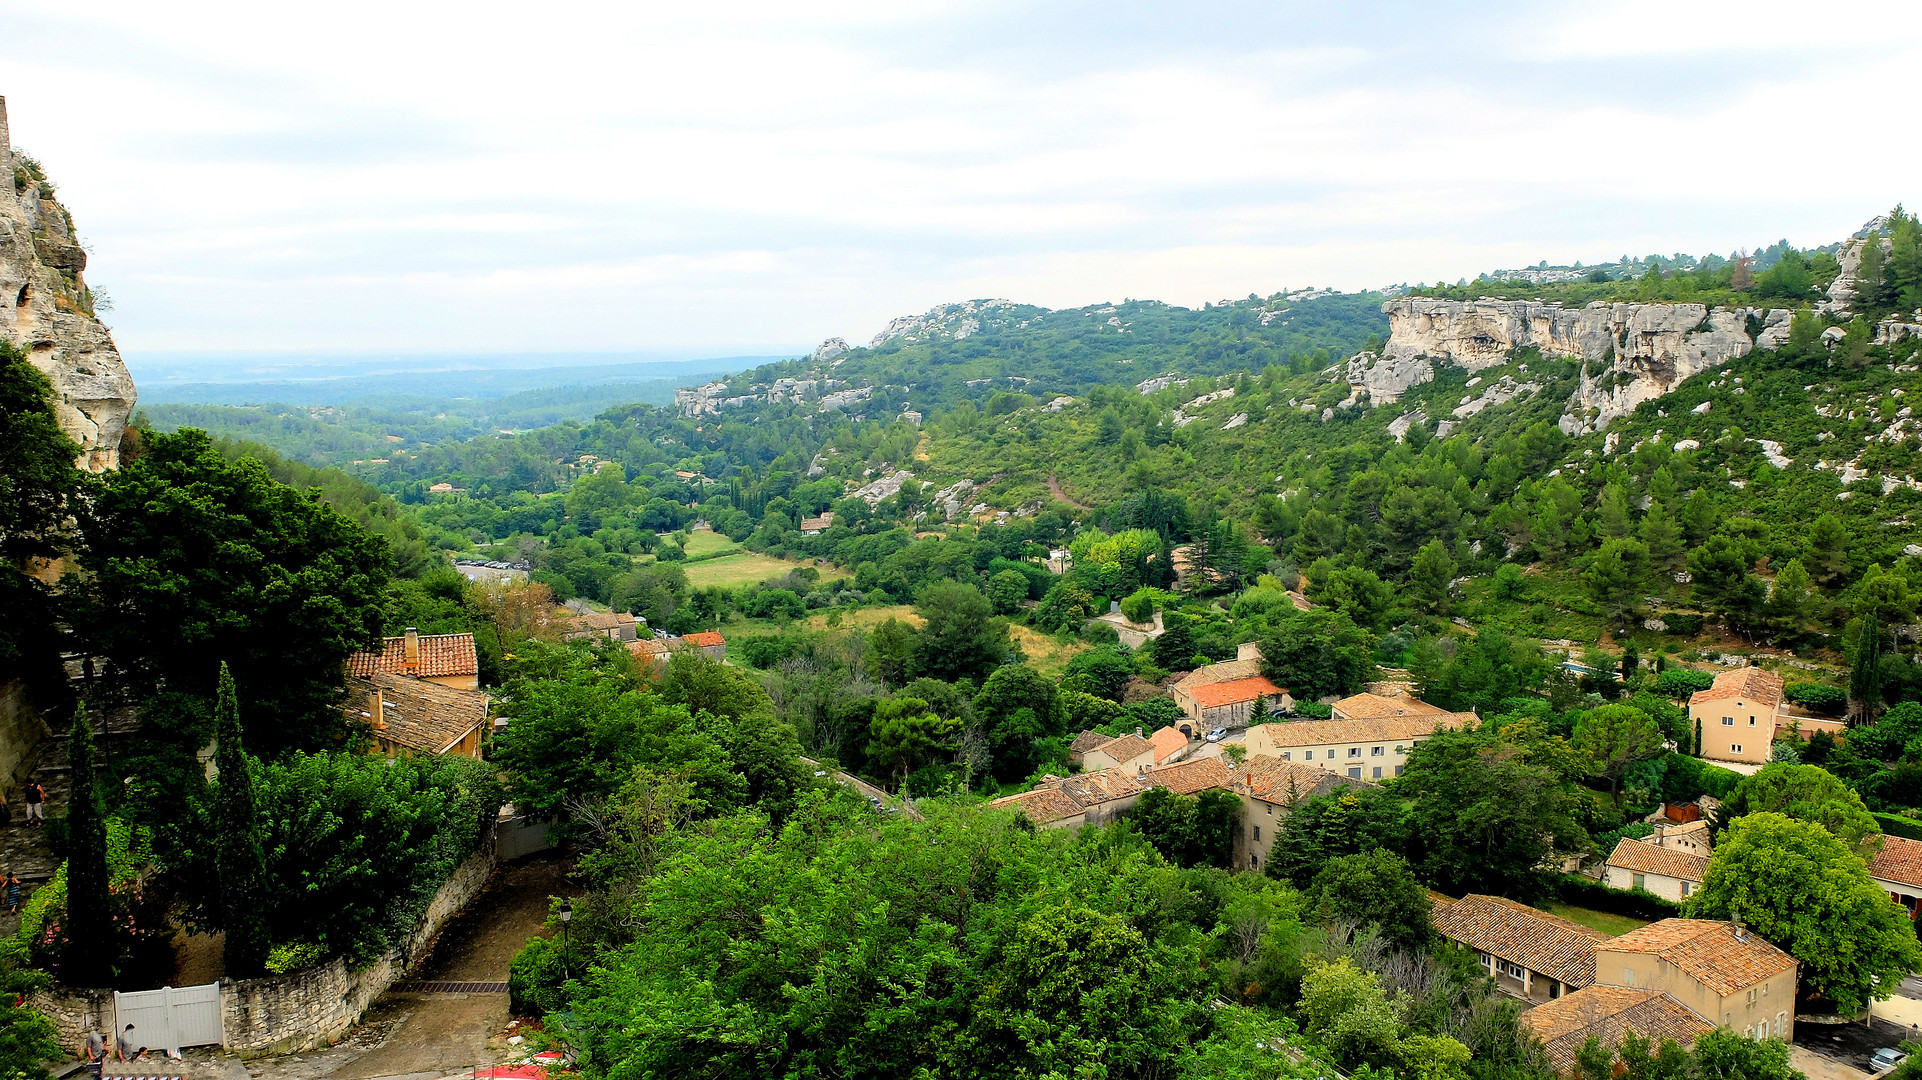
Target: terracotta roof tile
[1899, 861]
[1606, 1013]
[1168, 742]
[706, 639]
[1269, 778]
[1226, 671]
[1043, 805]
[1189, 777]
[1234, 691]
[1708, 951]
[1100, 786]
[1376, 729]
[1645, 858]
[1522, 935]
[418, 714]
[441, 655]
[1087, 741]
[1762, 687]
[1125, 750]
[1372, 706]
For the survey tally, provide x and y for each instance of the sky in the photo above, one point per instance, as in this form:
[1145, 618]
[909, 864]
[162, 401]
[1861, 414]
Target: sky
[683, 179]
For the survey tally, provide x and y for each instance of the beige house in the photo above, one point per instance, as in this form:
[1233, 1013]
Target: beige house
[1606, 1014]
[1740, 717]
[412, 717]
[447, 659]
[1246, 665]
[1721, 972]
[1361, 749]
[612, 625]
[1645, 864]
[1126, 752]
[1269, 789]
[1530, 954]
[657, 651]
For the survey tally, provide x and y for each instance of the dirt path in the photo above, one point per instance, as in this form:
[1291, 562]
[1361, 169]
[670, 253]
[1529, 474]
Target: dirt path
[433, 1035]
[1054, 488]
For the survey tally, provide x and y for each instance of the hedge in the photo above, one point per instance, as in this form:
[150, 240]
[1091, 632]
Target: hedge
[1896, 825]
[1634, 903]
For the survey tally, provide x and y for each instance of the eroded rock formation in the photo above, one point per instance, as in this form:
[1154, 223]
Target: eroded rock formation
[47, 309]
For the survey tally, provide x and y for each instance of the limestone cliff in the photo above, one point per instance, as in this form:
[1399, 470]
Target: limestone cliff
[47, 309]
[1629, 352]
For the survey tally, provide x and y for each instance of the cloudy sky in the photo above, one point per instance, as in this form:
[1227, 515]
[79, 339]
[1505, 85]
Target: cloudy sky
[705, 178]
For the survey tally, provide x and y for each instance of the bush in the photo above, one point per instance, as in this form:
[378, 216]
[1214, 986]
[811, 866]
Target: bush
[1684, 625]
[1819, 696]
[1634, 903]
[1314, 710]
[1140, 607]
[1897, 825]
[535, 979]
[294, 956]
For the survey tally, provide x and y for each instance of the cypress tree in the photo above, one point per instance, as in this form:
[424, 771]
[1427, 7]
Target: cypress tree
[238, 860]
[89, 956]
[1865, 678]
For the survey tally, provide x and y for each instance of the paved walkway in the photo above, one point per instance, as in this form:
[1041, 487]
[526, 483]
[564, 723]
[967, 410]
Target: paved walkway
[423, 1036]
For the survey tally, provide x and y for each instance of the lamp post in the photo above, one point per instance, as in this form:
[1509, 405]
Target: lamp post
[567, 915]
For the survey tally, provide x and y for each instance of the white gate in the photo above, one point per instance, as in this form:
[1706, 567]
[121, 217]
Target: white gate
[171, 1017]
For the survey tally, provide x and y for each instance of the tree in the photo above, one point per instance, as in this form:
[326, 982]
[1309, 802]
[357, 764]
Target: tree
[38, 486]
[1615, 575]
[1316, 653]
[1326, 827]
[960, 638]
[1663, 537]
[1615, 738]
[1345, 1009]
[89, 956]
[1786, 611]
[1103, 671]
[1483, 818]
[890, 653]
[239, 863]
[190, 558]
[1805, 891]
[1006, 590]
[906, 733]
[1805, 793]
[1429, 578]
[1375, 887]
[1175, 648]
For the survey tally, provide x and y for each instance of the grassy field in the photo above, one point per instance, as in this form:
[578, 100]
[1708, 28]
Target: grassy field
[1045, 655]
[1614, 925]
[867, 618]
[747, 568]
[708, 542]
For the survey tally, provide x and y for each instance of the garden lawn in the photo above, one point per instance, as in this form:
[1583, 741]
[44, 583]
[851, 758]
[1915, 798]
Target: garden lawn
[1613, 925]
[702, 542]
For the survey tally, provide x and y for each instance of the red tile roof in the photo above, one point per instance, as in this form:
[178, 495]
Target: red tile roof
[1234, 691]
[1899, 861]
[1606, 1013]
[1762, 687]
[1226, 671]
[1645, 858]
[1168, 742]
[440, 655]
[1125, 750]
[1189, 777]
[417, 714]
[706, 639]
[1271, 779]
[1374, 706]
[1042, 805]
[1536, 940]
[1708, 951]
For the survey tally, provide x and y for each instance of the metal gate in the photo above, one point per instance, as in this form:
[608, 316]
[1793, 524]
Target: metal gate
[171, 1017]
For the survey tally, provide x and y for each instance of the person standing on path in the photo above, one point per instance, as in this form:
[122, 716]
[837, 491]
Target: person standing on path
[36, 797]
[12, 894]
[127, 1048]
[94, 1052]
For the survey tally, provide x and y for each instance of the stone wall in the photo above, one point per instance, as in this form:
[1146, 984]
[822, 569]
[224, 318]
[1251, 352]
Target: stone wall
[281, 1014]
[22, 730]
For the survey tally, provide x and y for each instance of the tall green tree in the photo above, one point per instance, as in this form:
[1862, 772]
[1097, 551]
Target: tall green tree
[1378, 888]
[1809, 894]
[961, 637]
[89, 957]
[1615, 576]
[1429, 578]
[1315, 653]
[1616, 738]
[239, 862]
[1805, 793]
[190, 558]
[1483, 818]
[38, 487]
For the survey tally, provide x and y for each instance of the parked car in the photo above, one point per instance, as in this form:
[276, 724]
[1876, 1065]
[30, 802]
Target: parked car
[1218, 734]
[1886, 1058]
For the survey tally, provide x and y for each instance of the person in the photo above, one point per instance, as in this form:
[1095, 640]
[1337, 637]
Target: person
[12, 886]
[128, 1047]
[36, 797]
[94, 1052]
[6, 815]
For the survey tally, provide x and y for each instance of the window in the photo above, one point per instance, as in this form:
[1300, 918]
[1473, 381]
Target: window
[1641, 881]
[1354, 773]
[1401, 750]
[1762, 1030]
[1728, 721]
[1513, 971]
[1751, 997]
[1257, 832]
[1781, 1023]
[1354, 751]
[1307, 755]
[1377, 775]
[1685, 887]
[1375, 751]
[1287, 755]
[1735, 748]
[1271, 808]
[1751, 721]
[1748, 1032]
[1254, 862]
[1398, 770]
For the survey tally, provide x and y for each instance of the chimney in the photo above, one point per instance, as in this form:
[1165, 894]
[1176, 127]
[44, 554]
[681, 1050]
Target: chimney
[375, 719]
[1741, 931]
[412, 651]
[1138, 731]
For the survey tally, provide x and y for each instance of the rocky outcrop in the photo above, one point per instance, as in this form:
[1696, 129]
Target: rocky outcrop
[1629, 352]
[956, 321]
[47, 309]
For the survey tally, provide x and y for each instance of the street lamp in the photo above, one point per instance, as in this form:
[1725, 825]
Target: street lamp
[567, 915]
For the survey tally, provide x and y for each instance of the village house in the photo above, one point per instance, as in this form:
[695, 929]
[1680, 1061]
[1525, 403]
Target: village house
[657, 651]
[1223, 694]
[1743, 713]
[1127, 752]
[412, 717]
[1269, 788]
[447, 659]
[815, 526]
[1897, 868]
[1721, 972]
[1645, 864]
[1606, 1014]
[612, 625]
[1374, 748]
[1530, 954]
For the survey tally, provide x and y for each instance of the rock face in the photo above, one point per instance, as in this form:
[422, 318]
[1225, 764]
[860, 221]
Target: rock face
[1629, 352]
[46, 309]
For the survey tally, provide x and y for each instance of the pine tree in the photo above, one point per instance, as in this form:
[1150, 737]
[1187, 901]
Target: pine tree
[1258, 711]
[1612, 512]
[90, 952]
[1663, 537]
[238, 859]
[1865, 678]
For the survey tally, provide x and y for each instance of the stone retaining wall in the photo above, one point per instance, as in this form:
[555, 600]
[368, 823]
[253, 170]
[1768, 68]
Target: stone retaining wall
[281, 1014]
